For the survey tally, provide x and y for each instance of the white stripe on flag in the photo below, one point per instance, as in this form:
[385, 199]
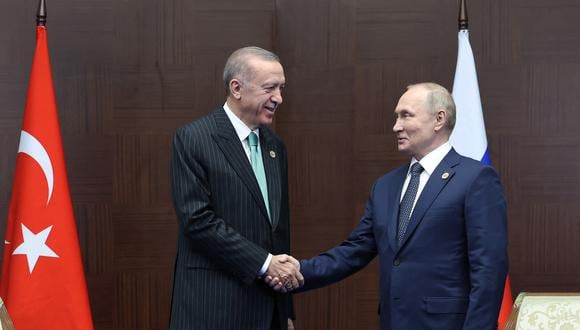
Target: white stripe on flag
[468, 136]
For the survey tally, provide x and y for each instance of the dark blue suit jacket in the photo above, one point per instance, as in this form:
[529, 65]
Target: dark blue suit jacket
[449, 272]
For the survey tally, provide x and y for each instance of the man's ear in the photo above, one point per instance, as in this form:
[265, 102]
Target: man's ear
[235, 86]
[440, 119]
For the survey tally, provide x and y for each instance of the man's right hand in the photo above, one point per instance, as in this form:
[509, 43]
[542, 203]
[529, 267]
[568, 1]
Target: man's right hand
[284, 271]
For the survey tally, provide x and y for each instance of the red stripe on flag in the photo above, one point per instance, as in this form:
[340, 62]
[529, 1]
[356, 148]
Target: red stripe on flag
[506, 304]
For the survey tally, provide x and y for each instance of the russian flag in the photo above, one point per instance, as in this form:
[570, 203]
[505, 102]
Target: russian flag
[468, 137]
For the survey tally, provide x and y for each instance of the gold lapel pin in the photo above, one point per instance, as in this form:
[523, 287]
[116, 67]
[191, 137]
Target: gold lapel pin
[272, 153]
[445, 176]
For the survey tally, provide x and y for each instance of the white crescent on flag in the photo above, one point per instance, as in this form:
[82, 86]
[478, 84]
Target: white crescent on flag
[32, 147]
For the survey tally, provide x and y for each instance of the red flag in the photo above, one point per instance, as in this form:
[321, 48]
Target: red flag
[43, 283]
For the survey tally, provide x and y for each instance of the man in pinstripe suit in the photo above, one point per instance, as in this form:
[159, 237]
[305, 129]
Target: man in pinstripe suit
[231, 233]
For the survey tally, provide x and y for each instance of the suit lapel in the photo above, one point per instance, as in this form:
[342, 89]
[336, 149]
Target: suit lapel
[229, 143]
[270, 156]
[393, 206]
[437, 181]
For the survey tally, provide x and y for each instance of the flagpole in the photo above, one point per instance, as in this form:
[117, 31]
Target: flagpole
[41, 13]
[463, 20]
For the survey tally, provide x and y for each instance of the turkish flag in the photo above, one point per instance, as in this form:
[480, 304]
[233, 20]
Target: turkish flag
[43, 283]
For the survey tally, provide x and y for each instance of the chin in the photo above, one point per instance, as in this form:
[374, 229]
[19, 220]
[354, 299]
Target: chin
[266, 121]
[405, 151]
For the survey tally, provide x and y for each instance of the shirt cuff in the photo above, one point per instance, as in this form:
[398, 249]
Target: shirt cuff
[264, 268]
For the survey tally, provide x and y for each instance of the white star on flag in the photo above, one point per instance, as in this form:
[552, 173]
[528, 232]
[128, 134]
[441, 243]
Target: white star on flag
[34, 246]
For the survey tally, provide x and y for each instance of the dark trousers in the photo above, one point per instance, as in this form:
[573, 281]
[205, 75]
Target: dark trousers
[275, 320]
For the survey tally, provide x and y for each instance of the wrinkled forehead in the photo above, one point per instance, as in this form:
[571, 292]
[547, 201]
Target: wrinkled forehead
[255, 62]
[261, 67]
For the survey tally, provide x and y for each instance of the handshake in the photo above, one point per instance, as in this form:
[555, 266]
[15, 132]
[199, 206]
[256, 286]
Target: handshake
[283, 274]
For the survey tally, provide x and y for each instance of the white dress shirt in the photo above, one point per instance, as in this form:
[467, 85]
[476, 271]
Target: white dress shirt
[243, 131]
[429, 164]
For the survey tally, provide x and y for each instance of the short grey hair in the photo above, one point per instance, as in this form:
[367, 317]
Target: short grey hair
[237, 65]
[439, 98]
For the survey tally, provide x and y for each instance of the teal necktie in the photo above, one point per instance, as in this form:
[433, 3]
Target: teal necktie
[258, 167]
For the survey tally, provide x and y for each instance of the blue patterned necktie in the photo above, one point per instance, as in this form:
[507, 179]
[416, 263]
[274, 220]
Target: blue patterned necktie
[406, 205]
[258, 167]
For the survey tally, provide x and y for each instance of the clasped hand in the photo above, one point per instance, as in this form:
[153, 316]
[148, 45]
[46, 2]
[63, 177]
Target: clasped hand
[283, 274]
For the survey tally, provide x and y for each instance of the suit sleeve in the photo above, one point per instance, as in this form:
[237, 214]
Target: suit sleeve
[486, 227]
[345, 259]
[198, 221]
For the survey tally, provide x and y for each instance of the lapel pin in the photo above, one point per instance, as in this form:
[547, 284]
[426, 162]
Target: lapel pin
[272, 154]
[445, 176]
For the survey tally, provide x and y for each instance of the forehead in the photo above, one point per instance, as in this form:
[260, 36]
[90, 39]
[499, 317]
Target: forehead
[265, 69]
[412, 100]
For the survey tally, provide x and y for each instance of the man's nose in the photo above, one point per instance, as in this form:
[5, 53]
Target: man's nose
[277, 96]
[397, 127]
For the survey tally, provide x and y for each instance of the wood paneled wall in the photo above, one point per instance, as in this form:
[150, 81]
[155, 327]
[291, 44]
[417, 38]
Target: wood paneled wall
[127, 73]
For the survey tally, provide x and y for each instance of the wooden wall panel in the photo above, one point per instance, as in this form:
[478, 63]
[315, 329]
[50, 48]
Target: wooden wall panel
[127, 73]
[315, 121]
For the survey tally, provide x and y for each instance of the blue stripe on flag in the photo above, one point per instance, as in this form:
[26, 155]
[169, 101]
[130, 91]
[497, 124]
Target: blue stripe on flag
[486, 158]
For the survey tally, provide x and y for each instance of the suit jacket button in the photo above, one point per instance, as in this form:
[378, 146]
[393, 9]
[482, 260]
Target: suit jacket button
[396, 262]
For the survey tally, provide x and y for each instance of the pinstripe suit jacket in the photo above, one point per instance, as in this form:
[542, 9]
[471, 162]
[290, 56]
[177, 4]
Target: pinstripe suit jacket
[224, 231]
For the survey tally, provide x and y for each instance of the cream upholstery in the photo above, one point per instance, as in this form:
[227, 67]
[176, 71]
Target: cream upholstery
[546, 311]
[5, 321]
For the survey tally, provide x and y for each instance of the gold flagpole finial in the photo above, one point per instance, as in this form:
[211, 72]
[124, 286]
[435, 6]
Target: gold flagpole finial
[463, 21]
[41, 14]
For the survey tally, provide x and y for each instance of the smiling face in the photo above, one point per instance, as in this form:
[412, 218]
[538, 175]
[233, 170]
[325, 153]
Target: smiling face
[256, 97]
[417, 127]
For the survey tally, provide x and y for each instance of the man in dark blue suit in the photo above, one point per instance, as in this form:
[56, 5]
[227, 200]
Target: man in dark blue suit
[438, 225]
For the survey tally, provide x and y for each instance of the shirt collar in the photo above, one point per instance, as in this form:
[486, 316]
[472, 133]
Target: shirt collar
[432, 159]
[242, 130]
